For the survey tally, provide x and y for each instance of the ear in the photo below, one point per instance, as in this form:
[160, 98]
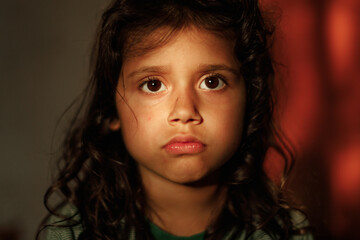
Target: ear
[114, 124]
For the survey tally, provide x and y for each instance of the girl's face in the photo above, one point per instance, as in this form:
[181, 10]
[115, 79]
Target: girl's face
[181, 107]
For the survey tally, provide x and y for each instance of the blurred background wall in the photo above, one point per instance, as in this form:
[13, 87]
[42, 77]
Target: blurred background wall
[317, 47]
[44, 53]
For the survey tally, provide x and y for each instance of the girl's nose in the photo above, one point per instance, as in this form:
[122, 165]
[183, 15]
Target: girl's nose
[184, 110]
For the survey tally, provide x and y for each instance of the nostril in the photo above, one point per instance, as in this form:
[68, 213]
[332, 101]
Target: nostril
[189, 120]
[184, 111]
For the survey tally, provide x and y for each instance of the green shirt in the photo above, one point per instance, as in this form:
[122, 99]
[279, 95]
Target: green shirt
[160, 234]
[72, 233]
[59, 233]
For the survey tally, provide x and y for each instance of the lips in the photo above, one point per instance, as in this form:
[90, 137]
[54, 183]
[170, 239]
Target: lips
[184, 145]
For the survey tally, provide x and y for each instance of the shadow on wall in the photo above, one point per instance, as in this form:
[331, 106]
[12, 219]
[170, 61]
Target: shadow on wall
[9, 233]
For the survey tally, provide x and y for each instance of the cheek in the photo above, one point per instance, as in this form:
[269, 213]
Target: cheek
[228, 121]
[139, 125]
[229, 127]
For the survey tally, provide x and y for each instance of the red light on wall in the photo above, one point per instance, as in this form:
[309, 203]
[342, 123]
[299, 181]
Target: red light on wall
[341, 31]
[345, 175]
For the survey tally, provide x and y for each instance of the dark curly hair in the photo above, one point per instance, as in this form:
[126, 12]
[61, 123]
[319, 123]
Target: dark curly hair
[99, 177]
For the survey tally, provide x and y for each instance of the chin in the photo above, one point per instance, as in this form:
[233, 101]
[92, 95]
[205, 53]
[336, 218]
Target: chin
[186, 180]
[195, 178]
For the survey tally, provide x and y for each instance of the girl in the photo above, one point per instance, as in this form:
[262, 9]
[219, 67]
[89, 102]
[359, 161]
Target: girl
[172, 143]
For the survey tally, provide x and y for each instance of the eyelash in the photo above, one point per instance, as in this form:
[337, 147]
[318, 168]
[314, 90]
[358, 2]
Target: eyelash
[217, 75]
[153, 78]
[147, 80]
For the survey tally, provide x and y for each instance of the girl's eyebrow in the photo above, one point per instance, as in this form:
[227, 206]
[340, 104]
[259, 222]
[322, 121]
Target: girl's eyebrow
[202, 68]
[147, 69]
[218, 67]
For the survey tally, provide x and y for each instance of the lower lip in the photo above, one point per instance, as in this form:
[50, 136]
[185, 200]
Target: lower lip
[184, 148]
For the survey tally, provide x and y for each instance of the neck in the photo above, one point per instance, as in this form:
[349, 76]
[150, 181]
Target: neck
[183, 209]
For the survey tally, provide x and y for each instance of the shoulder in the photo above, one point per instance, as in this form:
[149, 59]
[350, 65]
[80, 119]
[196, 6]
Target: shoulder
[261, 235]
[62, 233]
[299, 222]
[64, 228]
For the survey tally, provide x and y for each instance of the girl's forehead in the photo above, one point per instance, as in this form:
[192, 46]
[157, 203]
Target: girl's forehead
[140, 44]
[189, 51]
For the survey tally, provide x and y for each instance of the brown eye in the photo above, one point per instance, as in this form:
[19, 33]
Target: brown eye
[212, 83]
[153, 86]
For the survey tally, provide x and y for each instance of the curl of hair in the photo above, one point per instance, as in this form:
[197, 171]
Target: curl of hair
[97, 174]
